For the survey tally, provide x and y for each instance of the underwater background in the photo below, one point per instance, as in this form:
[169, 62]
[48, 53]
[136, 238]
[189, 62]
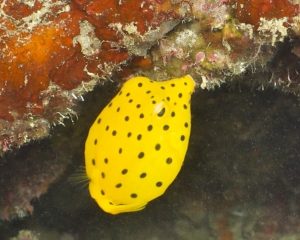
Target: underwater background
[240, 178]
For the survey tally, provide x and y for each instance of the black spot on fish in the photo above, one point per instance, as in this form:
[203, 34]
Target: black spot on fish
[143, 175]
[169, 160]
[141, 155]
[133, 195]
[158, 184]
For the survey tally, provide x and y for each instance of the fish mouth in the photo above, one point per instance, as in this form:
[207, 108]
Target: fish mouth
[109, 207]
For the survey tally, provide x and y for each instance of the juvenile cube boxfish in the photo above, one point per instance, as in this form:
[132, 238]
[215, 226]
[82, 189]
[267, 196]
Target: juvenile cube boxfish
[137, 145]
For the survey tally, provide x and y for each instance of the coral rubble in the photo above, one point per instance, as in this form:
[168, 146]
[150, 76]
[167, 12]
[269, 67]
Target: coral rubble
[25, 175]
[26, 235]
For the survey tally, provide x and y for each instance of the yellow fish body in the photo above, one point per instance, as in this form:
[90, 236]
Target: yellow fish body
[137, 144]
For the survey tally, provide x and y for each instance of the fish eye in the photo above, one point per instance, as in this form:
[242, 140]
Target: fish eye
[160, 109]
[161, 112]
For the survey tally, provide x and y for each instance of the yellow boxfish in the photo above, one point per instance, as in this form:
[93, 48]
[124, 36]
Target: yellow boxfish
[137, 145]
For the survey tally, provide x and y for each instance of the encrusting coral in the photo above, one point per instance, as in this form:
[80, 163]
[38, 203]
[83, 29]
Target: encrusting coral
[54, 51]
